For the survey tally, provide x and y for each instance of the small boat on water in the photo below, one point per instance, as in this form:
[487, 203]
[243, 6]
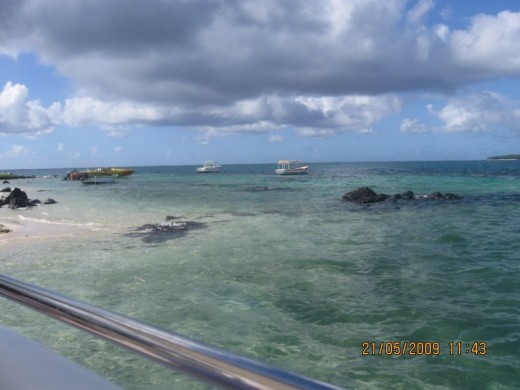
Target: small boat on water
[98, 179]
[75, 174]
[291, 167]
[209, 167]
[110, 172]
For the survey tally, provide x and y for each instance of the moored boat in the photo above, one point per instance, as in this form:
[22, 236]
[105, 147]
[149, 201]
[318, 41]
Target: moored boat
[110, 172]
[76, 174]
[209, 167]
[98, 179]
[291, 167]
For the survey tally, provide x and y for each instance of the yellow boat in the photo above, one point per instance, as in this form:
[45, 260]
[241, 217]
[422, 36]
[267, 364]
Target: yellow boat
[110, 172]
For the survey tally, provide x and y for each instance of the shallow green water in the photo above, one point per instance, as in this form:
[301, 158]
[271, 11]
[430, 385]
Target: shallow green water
[281, 270]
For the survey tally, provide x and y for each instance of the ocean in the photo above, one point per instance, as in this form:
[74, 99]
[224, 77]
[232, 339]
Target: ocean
[399, 294]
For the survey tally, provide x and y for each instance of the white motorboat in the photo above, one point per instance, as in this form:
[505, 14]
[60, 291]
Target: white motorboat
[291, 167]
[98, 179]
[209, 167]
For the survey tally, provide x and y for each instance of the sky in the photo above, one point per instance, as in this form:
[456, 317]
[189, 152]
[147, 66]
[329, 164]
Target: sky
[86, 83]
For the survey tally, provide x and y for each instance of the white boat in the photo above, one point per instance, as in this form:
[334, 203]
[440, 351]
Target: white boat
[209, 167]
[291, 167]
[98, 179]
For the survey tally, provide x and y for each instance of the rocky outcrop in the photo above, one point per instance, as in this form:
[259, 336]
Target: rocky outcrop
[365, 195]
[4, 229]
[172, 228]
[447, 196]
[18, 198]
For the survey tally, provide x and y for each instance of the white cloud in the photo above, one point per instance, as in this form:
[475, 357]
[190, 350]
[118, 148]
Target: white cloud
[86, 111]
[276, 138]
[478, 112]
[413, 126]
[489, 45]
[61, 147]
[419, 11]
[118, 149]
[20, 115]
[251, 66]
[94, 150]
[17, 151]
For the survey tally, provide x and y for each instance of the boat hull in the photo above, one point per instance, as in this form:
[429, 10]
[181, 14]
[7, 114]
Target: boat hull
[98, 180]
[209, 167]
[110, 172]
[208, 170]
[80, 175]
[292, 171]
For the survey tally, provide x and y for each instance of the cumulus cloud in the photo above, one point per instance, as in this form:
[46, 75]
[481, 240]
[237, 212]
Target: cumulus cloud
[241, 66]
[20, 115]
[478, 112]
[413, 126]
[489, 46]
[417, 13]
[17, 150]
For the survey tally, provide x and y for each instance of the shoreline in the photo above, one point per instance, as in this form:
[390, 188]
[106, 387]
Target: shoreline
[34, 230]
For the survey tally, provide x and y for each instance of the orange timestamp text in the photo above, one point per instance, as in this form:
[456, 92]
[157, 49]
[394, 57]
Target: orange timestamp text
[422, 348]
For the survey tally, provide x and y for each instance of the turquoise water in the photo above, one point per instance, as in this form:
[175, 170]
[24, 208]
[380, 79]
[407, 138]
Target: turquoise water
[281, 270]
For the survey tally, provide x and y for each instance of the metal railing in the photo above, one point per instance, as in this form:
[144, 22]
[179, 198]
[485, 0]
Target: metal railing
[202, 361]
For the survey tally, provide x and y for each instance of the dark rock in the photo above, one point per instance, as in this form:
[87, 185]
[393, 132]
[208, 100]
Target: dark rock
[5, 182]
[367, 195]
[435, 195]
[18, 198]
[364, 195]
[451, 196]
[50, 201]
[447, 196]
[4, 229]
[18, 193]
[408, 195]
[163, 227]
[6, 189]
[164, 231]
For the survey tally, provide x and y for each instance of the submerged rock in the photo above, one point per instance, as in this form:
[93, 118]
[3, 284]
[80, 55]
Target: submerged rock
[367, 195]
[364, 195]
[164, 231]
[439, 196]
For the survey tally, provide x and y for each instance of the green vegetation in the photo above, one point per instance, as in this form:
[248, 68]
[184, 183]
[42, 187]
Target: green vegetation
[10, 176]
[7, 176]
[505, 157]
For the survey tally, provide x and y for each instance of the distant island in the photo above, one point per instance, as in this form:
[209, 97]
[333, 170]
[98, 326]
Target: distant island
[505, 157]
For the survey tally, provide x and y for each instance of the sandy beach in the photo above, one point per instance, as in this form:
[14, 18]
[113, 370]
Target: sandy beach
[24, 228]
